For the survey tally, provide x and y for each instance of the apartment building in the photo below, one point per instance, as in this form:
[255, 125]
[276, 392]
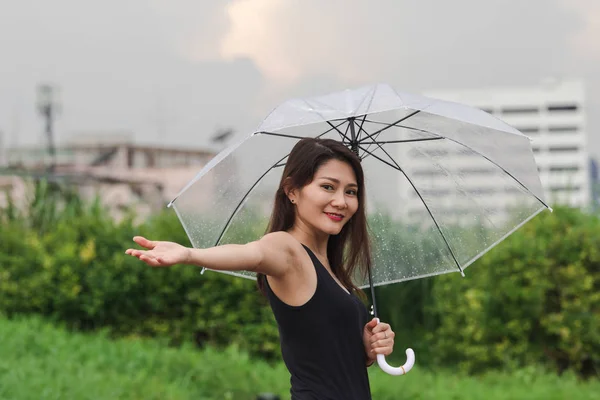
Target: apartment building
[553, 115]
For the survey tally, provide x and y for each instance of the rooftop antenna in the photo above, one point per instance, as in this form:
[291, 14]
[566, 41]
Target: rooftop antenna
[47, 106]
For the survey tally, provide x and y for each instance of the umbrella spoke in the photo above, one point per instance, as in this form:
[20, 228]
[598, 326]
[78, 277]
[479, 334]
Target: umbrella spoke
[367, 114]
[402, 141]
[397, 167]
[300, 137]
[375, 134]
[379, 158]
[277, 164]
[281, 135]
[503, 170]
[342, 135]
[437, 136]
[360, 128]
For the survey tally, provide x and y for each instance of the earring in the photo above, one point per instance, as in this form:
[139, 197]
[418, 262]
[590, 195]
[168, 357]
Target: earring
[292, 201]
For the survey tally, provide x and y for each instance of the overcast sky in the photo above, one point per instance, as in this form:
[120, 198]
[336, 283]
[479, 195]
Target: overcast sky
[189, 67]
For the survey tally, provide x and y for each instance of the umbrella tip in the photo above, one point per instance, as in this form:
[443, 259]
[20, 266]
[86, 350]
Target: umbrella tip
[550, 208]
[462, 273]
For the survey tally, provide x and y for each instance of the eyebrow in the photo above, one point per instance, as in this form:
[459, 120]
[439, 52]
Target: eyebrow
[337, 180]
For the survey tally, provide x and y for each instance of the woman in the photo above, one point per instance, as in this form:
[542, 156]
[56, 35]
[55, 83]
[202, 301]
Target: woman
[317, 241]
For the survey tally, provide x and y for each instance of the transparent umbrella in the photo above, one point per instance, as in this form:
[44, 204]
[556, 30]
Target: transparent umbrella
[445, 182]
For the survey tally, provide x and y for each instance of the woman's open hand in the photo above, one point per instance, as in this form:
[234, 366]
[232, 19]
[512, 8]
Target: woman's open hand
[159, 254]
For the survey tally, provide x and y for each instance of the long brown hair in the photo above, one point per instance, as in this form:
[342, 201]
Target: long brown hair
[349, 252]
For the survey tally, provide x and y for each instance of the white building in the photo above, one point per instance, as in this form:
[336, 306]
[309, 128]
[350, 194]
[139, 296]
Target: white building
[122, 173]
[553, 115]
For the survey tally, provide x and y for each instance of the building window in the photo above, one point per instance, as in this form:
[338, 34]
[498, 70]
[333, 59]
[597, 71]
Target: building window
[565, 149]
[562, 107]
[520, 110]
[565, 188]
[428, 173]
[478, 171]
[432, 192]
[562, 129]
[529, 130]
[565, 168]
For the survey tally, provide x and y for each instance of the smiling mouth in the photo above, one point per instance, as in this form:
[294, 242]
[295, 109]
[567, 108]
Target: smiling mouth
[334, 216]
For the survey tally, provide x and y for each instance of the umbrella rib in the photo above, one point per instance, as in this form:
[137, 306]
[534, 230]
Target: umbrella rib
[403, 141]
[394, 123]
[244, 198]
[380, 159]
[503, 170]
[487, 158]
[297, 137]
[360, 128]
[280, 135]
[346, 135]
[343, 135]
[426, 207]
[408, 127]
[275, 165]
[377, 133]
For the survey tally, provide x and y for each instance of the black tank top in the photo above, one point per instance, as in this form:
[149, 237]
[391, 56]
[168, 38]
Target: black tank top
[321, 341]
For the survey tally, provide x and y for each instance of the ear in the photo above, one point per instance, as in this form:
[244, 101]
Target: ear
[291, 194]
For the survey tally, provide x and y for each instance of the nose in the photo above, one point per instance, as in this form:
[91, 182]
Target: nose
[339, 199]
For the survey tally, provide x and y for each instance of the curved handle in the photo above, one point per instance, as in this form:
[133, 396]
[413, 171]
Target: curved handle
[401, 370]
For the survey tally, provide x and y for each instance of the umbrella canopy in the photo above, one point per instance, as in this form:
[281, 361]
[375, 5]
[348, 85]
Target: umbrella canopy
[445, 182]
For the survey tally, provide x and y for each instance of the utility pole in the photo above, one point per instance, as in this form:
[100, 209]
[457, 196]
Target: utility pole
[48, 107]
[3, 161]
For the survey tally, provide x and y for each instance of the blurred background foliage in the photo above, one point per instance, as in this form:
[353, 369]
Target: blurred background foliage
[532, 300]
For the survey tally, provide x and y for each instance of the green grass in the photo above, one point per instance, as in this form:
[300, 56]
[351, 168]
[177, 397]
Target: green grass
[39, 361]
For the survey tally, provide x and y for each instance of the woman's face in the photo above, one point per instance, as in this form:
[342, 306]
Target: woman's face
[328, 202]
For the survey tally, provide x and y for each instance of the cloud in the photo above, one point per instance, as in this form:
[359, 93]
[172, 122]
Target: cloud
[415, 45]
[202, 64]
[119, 67]
[585, 40]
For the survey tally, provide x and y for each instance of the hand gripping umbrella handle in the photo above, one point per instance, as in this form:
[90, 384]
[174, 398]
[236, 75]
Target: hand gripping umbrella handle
[402, 370]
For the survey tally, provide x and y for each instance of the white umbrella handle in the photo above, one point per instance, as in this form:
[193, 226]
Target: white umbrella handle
[402, 370]
[387, 368]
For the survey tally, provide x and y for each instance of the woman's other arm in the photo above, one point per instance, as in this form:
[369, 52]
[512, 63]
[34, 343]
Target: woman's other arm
[274, 254]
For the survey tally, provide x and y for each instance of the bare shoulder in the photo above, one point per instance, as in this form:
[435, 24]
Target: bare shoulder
[282, 238]
[281, 254]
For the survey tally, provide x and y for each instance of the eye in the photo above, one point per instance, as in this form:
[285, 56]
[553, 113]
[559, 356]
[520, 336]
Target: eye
[327, 187]
[352, 192]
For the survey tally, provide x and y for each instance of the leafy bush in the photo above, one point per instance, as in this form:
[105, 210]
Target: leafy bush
[67, 262]
[535, 298]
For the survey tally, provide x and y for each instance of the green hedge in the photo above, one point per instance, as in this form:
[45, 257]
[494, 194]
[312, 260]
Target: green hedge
[535, 298]
[67, 262]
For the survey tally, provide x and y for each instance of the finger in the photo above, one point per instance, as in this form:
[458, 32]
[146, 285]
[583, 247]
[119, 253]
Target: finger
[386, 351]
[142, 241]
[150, 260]
[371, 324]
[382, 343]
[382, 326]
[138, 253]
[387, 335]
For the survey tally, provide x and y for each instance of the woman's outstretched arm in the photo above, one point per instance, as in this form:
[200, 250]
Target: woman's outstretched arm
[274, 254]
